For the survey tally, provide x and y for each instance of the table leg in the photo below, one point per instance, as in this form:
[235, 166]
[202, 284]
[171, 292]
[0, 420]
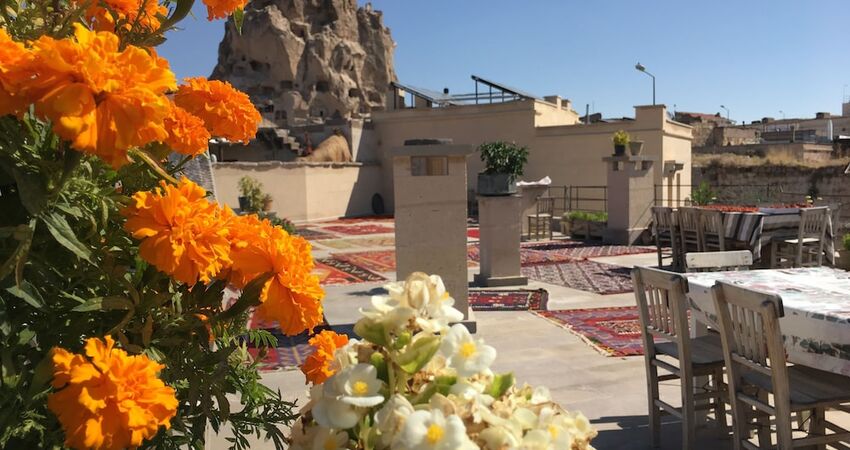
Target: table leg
[701, 415]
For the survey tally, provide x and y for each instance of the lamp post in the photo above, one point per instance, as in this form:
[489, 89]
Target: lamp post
[727, 112]
[640, 68]
[783, 114]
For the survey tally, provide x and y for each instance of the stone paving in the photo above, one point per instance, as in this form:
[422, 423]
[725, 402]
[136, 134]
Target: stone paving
[610, 391]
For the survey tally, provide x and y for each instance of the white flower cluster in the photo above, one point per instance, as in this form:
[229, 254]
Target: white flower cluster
[415, 382]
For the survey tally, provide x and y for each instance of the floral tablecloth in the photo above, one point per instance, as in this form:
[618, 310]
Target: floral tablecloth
[758, 229]
[816, 325]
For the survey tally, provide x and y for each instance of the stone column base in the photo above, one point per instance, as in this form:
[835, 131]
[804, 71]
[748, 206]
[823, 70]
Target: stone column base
[485, 281]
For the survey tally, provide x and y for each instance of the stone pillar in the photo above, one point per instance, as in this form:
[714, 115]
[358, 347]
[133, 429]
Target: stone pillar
[631, 192]
[429, 177]
[499, 218]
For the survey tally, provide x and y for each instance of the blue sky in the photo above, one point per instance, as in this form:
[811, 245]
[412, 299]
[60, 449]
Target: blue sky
[755, 57]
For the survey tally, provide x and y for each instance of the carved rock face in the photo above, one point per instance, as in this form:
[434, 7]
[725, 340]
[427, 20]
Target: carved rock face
[309, 59]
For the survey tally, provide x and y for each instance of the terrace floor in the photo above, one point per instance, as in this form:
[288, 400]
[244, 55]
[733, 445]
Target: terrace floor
[609, 390]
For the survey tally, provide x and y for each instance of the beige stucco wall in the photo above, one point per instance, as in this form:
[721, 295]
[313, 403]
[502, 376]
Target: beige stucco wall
[305, 191]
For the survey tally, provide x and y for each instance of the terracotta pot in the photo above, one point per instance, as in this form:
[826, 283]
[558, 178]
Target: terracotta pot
[267, 205]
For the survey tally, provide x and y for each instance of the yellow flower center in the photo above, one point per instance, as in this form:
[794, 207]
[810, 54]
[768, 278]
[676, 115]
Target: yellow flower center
[467, 349]
[435, 433]
[330, 444]
[360, 388]
[553, 431]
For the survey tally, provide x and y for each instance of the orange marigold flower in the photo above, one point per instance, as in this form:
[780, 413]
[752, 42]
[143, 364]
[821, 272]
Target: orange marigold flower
[107, 399]
[15, 66]
[226, 112]
[292, 297]
[183, 234]
[186, 133]
[102, 99]
[219, 9]
[317, 367]
[144, 14]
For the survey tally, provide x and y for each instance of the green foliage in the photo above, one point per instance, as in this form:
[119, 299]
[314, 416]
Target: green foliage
[252, 190]
[589, 216]
[69, 271]
[703, 194]
[621, 138]
[847, 242]
[503, 157]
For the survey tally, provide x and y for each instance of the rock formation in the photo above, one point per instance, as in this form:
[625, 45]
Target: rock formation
[333, 149]
[305, 61]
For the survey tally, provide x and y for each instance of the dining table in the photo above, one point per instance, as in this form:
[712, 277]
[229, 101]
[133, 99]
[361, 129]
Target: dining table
[816, 304]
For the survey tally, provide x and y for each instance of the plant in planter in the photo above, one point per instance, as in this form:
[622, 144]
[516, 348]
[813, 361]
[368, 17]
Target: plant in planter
[251, 198]
[585, 224]
[635, 147]
[267, 202]
[503, 164]
[703, 194]
[843, 260]
[621, 140]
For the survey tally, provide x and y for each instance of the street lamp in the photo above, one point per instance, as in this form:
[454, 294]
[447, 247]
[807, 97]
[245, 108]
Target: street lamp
[641, 68]
[783, 114]
[727, 111]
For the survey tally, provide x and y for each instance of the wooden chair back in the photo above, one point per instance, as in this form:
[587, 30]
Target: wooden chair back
[688, 219]
[663, 309]
[666, 233]
[718, 261]
[712, 232]
[752, 342]
[813, 222]
[545, 206]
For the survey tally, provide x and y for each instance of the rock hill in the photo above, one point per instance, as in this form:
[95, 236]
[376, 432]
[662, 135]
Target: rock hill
[304, 61]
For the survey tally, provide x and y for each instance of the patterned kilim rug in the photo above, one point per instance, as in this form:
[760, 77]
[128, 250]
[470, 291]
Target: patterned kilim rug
[583, 250]
[611, 331]
[588, 276]
[313, 234]
[473, 233]
[377, 260]
[349, 220]
[514, 300]
[527, 256]
[335, 271]
[350, 243]
[359, 229]
[291, 351]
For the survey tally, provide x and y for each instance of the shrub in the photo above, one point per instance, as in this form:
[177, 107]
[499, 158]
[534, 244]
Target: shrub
[847, 242]
[703, 194]
[503, 157]
[590, 216]
[252, 190]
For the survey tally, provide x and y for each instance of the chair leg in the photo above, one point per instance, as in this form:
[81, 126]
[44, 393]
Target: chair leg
[688, 414]
[817, 427]
[720, 400]
[654, 411]
[740, 419]
[764, 433]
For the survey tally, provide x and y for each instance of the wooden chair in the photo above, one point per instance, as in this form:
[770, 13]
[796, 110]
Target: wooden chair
[718, 261]
[663, 310]
[807, 248]
[666, 235]
[542, 218]
[757, 369]
[688, 219]
[712, 233]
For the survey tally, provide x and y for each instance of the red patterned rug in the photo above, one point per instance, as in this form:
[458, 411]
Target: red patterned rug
[611, 331]
[359, 229]
[313, 234]
[350, 220]
[473, 233]
[378, 260]
[291, 351]
[582, 250]
[587, 276]
[335, 271]
[527, 256]
[515, 300]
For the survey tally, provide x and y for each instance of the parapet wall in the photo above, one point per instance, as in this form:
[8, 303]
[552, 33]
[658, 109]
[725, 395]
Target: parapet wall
[304, 191]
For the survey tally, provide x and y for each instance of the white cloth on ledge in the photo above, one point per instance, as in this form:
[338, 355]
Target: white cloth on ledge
[545, 181]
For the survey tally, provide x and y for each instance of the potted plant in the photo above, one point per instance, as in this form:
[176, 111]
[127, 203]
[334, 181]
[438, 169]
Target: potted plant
[635, 147]
[267, 202]
[503, 164]
[584, 224]
[251, 198]
[621, 140]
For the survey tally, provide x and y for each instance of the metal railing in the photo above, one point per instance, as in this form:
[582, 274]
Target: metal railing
[578, 198]
[752, 194]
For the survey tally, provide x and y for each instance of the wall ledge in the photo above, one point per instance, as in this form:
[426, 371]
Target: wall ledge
[290, 164]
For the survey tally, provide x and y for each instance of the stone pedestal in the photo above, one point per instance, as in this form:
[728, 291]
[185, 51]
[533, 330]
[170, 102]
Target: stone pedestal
[530, 194]
[500, 219]
[430, 214]
[631, 192]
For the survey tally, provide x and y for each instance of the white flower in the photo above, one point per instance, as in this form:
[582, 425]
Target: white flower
[467, 355]
[327, 439]
[358, 385]
[346, 391]
[499, 437]
[431, 430]
[345, 356]
[388, 311]
[390, 419]
[537, 440]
